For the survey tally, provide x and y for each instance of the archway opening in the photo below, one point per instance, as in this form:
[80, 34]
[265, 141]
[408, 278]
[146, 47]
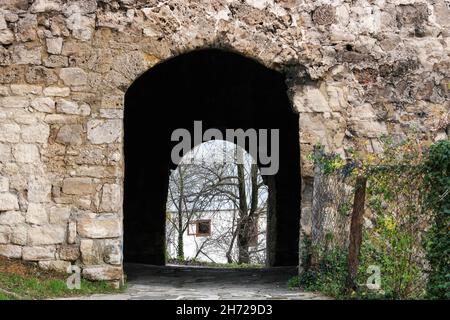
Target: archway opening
[224, 91]
[217, 208]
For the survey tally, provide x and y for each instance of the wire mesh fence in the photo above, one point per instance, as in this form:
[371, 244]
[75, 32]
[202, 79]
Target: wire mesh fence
[331, 208]
[379, 224]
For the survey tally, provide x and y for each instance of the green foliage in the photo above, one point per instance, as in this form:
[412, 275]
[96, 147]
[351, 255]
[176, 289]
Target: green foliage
[408, 208]
[329, 162]
[294, 282]
[437, 242]
[401, 276]
[306, 251]
[394, 192]
[4, 297]
[326, 275]
[27, 287]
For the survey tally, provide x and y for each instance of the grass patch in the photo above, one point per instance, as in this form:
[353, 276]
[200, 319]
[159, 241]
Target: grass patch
[4, 297]
[20, 280]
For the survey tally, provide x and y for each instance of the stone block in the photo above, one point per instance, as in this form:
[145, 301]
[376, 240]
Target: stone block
[40, 75]
[412, 14]
[8, 201]
[46, 234]
[112, 252]
[54, 45]
[71, 107]
[59, 215]
[70, 134]
[111, 198]
[19, 235]
[4, 184]
[90, 252]
[97, 228]
[14, 102]
[103, 273]
[78, 186]
[69, 252]
[71, 232]
[104, 131]
[40, 6]
[57, 91]
[36, 214]
[26, 89]
[57, 266]
[11, 218]
[5, 234]
[11, 251]
[73, 76]
[25, 55]
[26, 153]
[26, 28]
[324, 15]
[9, 132]
[5, 153]
[39, 189]
[6, 36]
[56, 61]
[38, 253]
[36, 133]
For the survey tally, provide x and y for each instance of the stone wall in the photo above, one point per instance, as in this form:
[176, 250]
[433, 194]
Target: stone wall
[355, 69]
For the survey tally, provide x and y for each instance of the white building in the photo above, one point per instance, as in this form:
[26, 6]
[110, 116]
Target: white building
[209, 235]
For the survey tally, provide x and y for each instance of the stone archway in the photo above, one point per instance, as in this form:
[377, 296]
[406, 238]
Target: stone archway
[359, 70]
[226, 91]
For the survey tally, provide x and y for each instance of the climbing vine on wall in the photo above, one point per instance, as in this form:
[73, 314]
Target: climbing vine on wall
[397, 218]
[437, 198]
[406, 220]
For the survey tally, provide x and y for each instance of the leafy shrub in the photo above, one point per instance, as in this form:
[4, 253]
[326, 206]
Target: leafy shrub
[399, 218]
[408, 213]
[437, 242]
[401, 276]
[328, 275]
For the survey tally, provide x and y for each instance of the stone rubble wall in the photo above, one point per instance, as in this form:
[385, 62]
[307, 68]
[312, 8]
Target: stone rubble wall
[355, 70]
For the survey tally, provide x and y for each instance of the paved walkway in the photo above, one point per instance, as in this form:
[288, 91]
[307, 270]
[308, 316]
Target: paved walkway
[198, 283]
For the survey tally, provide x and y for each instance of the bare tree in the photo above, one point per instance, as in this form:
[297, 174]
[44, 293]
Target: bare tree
[232, 183]
[190, 192]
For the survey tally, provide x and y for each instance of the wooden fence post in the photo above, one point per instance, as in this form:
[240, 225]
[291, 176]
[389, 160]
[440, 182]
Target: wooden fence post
[356, 232]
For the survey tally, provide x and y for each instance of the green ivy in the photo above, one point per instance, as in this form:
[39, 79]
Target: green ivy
[408, 195]
[327, 276]
[329, 162]
[437, 243]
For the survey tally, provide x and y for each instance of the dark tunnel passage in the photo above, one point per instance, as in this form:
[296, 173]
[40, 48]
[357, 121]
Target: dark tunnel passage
[225, 91]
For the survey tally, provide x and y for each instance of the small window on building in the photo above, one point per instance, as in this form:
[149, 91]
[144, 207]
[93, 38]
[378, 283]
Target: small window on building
[200, 228]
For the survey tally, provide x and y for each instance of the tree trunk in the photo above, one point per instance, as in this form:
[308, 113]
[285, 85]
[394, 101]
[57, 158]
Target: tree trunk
[233, 239]
[180, 229]
[242, 227]
[229, 258]
[243, 240]
[180, 247]
[356, 232]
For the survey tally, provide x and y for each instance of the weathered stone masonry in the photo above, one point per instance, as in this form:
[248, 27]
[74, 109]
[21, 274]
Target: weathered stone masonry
[355, 70]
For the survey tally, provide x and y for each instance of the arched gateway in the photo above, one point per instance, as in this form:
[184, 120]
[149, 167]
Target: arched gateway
[223, 90]
[90, 92]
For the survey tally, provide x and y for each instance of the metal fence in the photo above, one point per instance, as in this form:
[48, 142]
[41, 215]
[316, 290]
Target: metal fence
[331, 208]
[342, 215]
